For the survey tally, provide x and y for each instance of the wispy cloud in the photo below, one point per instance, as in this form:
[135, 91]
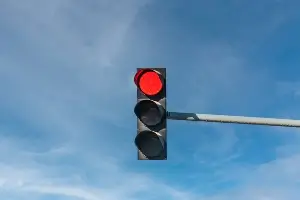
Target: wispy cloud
[65, 133]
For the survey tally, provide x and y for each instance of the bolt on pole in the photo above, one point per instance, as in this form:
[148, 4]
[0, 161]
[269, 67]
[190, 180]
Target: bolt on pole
[233, 119]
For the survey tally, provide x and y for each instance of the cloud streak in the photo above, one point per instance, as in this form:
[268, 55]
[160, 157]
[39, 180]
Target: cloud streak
[65, 66]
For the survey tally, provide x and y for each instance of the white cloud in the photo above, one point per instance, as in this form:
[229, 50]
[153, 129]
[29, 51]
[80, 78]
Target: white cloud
[55, 78]
[58, 72]
[109, 180]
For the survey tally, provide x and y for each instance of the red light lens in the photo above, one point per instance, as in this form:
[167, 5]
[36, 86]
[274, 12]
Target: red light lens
[150, 83]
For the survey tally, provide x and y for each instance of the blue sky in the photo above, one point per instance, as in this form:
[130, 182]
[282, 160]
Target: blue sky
[66, 109]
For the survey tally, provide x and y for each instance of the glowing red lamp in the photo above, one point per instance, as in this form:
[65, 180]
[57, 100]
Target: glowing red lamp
[148, 81]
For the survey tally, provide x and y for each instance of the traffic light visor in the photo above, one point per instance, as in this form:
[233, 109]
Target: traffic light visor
[149, 144]
[148, 81]
[149, 112]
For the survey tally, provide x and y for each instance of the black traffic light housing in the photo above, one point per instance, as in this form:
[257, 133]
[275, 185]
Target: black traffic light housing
[151, 139]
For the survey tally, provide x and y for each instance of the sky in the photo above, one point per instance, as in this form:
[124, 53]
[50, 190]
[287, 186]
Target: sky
[67, 125]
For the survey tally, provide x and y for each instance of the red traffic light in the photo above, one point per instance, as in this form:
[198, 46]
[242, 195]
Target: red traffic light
[148, 81]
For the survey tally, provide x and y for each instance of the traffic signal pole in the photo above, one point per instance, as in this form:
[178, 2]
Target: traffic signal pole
[152, 115]
[233, 119]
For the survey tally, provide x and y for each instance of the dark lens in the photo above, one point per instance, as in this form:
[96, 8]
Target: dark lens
[149, 144]
[150, 113]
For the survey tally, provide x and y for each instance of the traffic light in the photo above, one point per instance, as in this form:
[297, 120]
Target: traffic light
[151, 113]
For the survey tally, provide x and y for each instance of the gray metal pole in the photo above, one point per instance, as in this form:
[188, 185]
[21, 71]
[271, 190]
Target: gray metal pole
[233, 119]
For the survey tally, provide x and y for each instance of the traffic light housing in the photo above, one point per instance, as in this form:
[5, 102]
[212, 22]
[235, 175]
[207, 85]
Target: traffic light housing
[151, 113]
